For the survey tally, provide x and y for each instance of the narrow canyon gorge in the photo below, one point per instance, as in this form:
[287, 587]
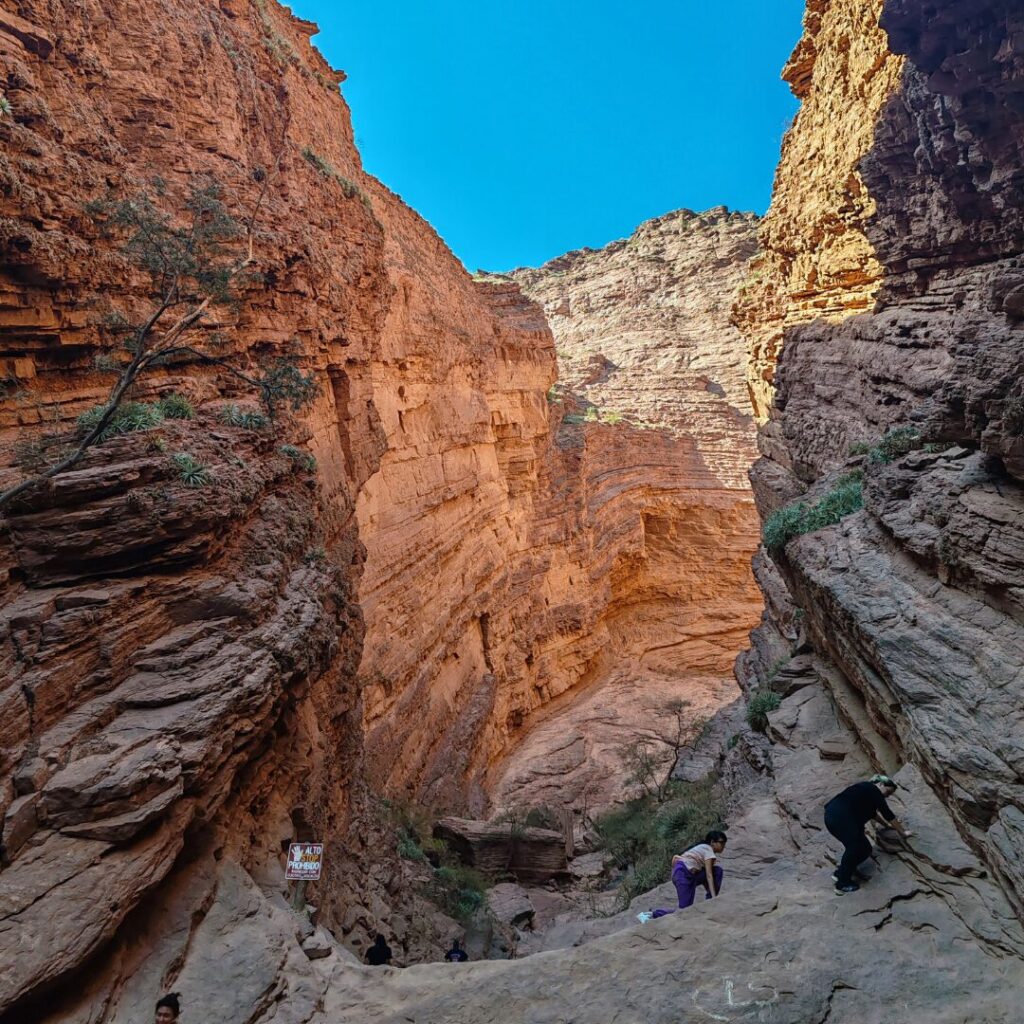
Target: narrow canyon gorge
[507, 522]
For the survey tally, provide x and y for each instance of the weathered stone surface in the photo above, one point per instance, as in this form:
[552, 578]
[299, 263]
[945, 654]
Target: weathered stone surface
[546, 548]
[186, 686]
[928, 938]
[915, 604]
[318, 945]
[817, 263]
[643, 333]
[510, 904]
[645, 350]
[531, 854]
[572, 758]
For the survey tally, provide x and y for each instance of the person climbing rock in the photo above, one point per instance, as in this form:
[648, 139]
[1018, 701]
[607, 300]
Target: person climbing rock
[697, 866]
[845, 817]
[456, 955]
[379, 954]
[168, 1008]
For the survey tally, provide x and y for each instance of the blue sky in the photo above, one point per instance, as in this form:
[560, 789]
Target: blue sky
[525, 128]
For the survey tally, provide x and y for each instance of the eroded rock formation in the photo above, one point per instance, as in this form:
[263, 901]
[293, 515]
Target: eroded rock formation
[930, 937]
[642, 331]
[912, 322]
[653, 377]
[195, 676]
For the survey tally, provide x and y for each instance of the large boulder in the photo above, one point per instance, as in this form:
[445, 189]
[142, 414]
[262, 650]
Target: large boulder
[531, 854]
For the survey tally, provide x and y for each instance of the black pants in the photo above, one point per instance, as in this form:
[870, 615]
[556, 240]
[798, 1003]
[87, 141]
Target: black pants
[856, 848]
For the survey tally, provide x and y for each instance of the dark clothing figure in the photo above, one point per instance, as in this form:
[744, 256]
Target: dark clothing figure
[456, 955]
[379, 954]
[845, 817]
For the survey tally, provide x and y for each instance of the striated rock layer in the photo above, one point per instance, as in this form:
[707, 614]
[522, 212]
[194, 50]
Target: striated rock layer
[642, 331]
[651, 374]
[177, 664]
[906, 313]
[193, 677]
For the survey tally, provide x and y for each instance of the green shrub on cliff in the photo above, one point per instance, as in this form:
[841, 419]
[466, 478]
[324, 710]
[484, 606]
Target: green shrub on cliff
[300, 459]
[844, 499]
[896, 443]
[194, 258]
[782, 526]
[793, 520]
[246, 419]
[191, 472]
[127, 419]
[177, 407]
[760, 704]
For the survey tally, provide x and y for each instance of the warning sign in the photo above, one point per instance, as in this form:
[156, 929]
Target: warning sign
[304, 860]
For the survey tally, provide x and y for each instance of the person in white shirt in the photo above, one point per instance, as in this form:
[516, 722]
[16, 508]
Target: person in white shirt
[697, 866]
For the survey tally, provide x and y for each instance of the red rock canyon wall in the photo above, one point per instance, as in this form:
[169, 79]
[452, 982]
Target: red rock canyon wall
[193, 677]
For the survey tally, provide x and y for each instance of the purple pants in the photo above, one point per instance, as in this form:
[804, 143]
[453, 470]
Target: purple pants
[686, 886]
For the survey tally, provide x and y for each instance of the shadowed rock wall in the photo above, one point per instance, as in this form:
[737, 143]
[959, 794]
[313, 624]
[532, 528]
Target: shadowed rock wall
[916, 600]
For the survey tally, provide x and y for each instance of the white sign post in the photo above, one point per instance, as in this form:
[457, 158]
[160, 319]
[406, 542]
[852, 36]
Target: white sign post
[304, 863]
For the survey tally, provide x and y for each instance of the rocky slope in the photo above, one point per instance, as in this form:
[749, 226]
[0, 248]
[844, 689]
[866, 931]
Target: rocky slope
[930, 937]
[195, 676]
[889, 296]
[650, 364]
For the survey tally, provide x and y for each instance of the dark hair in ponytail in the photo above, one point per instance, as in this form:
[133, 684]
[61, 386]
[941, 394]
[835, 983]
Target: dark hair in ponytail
[171, 1002]
[715, 836]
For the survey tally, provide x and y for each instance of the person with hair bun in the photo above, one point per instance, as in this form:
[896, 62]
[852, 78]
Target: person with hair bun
[693, 867]
[167, 1008]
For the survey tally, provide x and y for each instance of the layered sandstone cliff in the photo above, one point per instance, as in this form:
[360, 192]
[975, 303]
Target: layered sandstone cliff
[195, 676]
[518, 552]
[642, 330]
[177, 663]
[890, 297]
[656, 425]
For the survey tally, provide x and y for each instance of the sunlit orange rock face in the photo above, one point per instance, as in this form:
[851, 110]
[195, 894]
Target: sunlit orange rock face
[659, 435]
[817, 263]
[516, 554]
[890, 295]
[177, 663]
[192, 677]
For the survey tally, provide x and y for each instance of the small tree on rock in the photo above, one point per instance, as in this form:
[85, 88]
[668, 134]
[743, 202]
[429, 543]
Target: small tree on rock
[195, 262]
[650, 761]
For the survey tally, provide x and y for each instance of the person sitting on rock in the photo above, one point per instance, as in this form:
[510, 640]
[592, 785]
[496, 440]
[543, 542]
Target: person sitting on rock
[168, 1008]
[379, 954]
[697, 866]
[845, 817]
[456, 955]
